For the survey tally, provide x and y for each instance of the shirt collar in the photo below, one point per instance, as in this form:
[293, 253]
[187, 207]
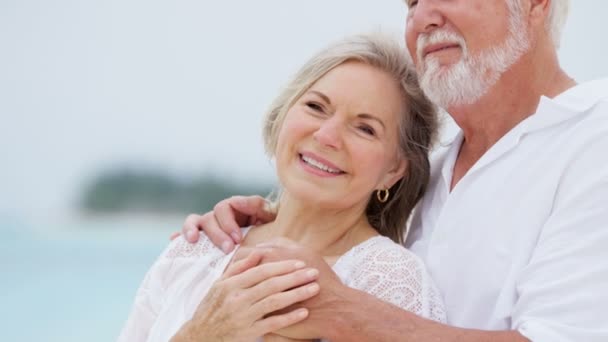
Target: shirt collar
[583, 97]
[574, 101]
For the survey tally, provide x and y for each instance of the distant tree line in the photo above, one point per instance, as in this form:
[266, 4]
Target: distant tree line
[127, 190]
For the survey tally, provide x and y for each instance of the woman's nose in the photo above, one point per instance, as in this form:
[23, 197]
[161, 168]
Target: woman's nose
[329, 133]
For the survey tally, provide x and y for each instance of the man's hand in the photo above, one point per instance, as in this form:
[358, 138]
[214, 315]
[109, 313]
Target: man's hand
[322, 308]
[222, 225]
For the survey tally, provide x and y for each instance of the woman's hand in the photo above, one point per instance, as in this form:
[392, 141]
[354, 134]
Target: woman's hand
[325, 308]
[222, 225]
[279, 338]
[237, 306]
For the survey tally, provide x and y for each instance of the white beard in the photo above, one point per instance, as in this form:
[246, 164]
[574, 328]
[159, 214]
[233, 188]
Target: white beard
[472, 77]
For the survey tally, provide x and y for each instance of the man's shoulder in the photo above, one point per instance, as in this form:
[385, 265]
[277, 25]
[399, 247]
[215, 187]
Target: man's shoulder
[585, 97]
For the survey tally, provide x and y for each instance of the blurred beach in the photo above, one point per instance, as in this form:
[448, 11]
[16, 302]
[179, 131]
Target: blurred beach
[75, 280]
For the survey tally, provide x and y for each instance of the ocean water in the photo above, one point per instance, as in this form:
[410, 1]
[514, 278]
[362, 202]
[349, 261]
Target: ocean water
[74, 281]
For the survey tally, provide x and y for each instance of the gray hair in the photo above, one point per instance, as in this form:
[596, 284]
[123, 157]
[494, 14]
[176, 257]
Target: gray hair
[558, 13]
[417, 127]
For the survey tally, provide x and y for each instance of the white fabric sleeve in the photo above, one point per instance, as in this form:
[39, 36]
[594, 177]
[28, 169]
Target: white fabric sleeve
[148, 301]
[391, 273]
[563, 291]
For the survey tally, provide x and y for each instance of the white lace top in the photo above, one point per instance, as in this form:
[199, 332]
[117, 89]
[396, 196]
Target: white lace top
[182, 275]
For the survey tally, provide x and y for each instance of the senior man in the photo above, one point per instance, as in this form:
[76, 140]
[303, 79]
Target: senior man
[514, 224]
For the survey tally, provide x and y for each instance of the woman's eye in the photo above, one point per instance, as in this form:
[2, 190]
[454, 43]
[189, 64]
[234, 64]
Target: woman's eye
[314, 106]
[367, 130]
[412, 3]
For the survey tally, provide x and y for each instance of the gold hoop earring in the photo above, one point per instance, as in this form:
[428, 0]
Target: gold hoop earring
[382, 195]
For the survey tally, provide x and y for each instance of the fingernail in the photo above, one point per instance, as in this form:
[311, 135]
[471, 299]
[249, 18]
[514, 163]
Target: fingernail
[226, 247]
[299, 264]
[301, 313]
[189, 235]
[314, 288]
[312, 273]
[235, 237]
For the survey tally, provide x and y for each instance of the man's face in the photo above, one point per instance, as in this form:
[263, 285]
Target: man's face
[462, 47]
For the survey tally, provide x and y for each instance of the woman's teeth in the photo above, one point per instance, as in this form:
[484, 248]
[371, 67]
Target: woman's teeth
[319, 165]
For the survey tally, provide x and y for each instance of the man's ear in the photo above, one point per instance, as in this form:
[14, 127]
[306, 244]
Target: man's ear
[538, 11]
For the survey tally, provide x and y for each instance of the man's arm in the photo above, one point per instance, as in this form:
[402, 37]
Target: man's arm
[222, 225]
[361, 317]
[340, 313]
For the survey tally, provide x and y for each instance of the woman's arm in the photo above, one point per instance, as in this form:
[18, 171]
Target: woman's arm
[147, 303]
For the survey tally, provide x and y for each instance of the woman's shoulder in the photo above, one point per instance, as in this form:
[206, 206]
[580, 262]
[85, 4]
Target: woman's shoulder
[382, 253]
[181, 248]
[389, 271]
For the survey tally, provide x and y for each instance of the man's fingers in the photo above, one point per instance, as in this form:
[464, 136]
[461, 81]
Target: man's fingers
[225, 217]
[210, 226]
[256, 207]
[174, 235]
[190, 228]
[278, 322]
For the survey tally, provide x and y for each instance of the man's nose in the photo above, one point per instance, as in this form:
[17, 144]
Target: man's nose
[426, 16]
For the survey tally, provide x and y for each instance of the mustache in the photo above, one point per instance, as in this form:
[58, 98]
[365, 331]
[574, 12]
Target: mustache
[436, 37]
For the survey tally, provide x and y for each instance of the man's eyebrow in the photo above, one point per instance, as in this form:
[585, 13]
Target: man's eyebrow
[371, 117]
[321, 95]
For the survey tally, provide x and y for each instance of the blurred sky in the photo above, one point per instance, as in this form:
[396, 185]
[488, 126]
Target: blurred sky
[178, 85]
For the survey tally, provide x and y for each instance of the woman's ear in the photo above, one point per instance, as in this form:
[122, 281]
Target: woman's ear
[395, 174]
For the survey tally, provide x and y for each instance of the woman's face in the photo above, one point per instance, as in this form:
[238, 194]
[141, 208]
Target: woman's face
[339, 141]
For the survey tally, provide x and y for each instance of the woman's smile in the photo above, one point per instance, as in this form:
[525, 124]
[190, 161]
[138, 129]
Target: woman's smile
[319, 166]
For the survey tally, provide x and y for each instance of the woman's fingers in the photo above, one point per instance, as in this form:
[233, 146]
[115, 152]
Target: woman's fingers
[252, 260]
[282, 300]
[278, 322]
[278, 276]
[282, 283]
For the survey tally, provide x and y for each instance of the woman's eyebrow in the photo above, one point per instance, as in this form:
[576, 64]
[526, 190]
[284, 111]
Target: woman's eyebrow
[372, 117]
[321, 95]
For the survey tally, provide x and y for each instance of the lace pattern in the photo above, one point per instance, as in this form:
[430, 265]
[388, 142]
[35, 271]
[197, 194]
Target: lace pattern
[390, 272]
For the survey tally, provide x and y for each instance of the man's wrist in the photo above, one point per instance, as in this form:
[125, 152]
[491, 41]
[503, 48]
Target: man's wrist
[344, 323]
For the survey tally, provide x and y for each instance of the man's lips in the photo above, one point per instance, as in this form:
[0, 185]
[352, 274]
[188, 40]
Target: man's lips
[438, 47]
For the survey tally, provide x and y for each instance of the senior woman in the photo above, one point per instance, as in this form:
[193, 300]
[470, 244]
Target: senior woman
[350, 135]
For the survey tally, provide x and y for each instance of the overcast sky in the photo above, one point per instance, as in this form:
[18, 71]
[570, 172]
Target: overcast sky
[181, 85]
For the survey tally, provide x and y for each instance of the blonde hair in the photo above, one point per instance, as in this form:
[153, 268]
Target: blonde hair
[417, 127]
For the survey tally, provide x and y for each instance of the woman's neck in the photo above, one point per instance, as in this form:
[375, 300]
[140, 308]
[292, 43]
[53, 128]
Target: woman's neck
[331, 232]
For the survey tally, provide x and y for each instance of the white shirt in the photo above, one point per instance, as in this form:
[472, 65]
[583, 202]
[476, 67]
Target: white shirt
[183, 274]
[521, 242]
